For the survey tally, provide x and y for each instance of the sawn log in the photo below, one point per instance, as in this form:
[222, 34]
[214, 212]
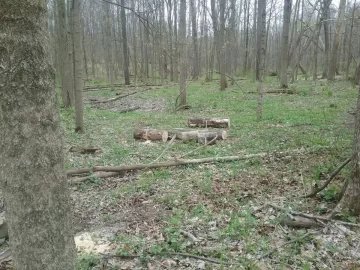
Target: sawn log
[209, 122]
[151, 134]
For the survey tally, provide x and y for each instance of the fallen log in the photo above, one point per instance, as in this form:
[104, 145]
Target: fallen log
[151, 134]
[177, 162]
[209, 122]
[185, 134]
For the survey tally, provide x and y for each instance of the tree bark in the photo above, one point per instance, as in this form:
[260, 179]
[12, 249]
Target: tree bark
[33, 182]
[335, 48]
[78, 72]
[285, 44]
[182, 49]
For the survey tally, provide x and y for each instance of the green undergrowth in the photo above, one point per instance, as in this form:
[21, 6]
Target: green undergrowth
[219, 198]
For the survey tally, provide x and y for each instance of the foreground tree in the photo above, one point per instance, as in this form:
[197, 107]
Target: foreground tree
[32, 176]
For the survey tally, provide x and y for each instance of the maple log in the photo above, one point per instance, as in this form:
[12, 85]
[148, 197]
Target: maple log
[209, 122]
[151, 134]
[190, 134]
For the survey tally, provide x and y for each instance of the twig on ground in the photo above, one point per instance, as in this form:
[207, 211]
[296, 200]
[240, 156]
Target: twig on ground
[200, 147]
[90, 177]
[166, 148]
[331, 177]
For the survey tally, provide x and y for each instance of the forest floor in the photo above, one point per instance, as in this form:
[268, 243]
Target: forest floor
[222, 210]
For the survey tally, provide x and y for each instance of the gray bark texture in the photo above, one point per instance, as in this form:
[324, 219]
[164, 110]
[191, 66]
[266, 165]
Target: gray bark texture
[32, 176]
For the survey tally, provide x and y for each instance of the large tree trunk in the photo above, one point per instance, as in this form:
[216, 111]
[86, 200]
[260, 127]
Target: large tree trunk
[125, 45]
[182, 49]
[335, 48]
[351, 198]
[285, 44]
[349, 56]
[67, 88]
[79, 106]
[33, 182]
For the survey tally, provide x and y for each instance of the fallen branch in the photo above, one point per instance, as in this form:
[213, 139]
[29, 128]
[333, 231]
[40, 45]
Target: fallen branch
[166, 148]
[120, 96]
[200, 147]
[331, 177]
[129, 110]
[176, 162]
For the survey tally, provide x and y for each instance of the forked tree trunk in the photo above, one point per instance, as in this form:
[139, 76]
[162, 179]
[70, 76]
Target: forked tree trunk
[182, 49]
[285, 44]
[33, 182]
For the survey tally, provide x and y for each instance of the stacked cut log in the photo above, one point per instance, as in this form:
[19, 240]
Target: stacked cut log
[151, 134]
[203, 136]
[209, 122]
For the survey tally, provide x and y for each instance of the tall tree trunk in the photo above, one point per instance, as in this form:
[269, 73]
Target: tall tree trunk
[33, 181]
[171, 54]
[108, 46]
[349, 58]
[326, 16]
[195, 71]
[67, 88]
[285, 44]
[222, 46]
[134, 42]
[125, 45]
[78, 72]
[246, 30]
[335, 47]
[176, 55]
[261, 53]
[182, 49]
